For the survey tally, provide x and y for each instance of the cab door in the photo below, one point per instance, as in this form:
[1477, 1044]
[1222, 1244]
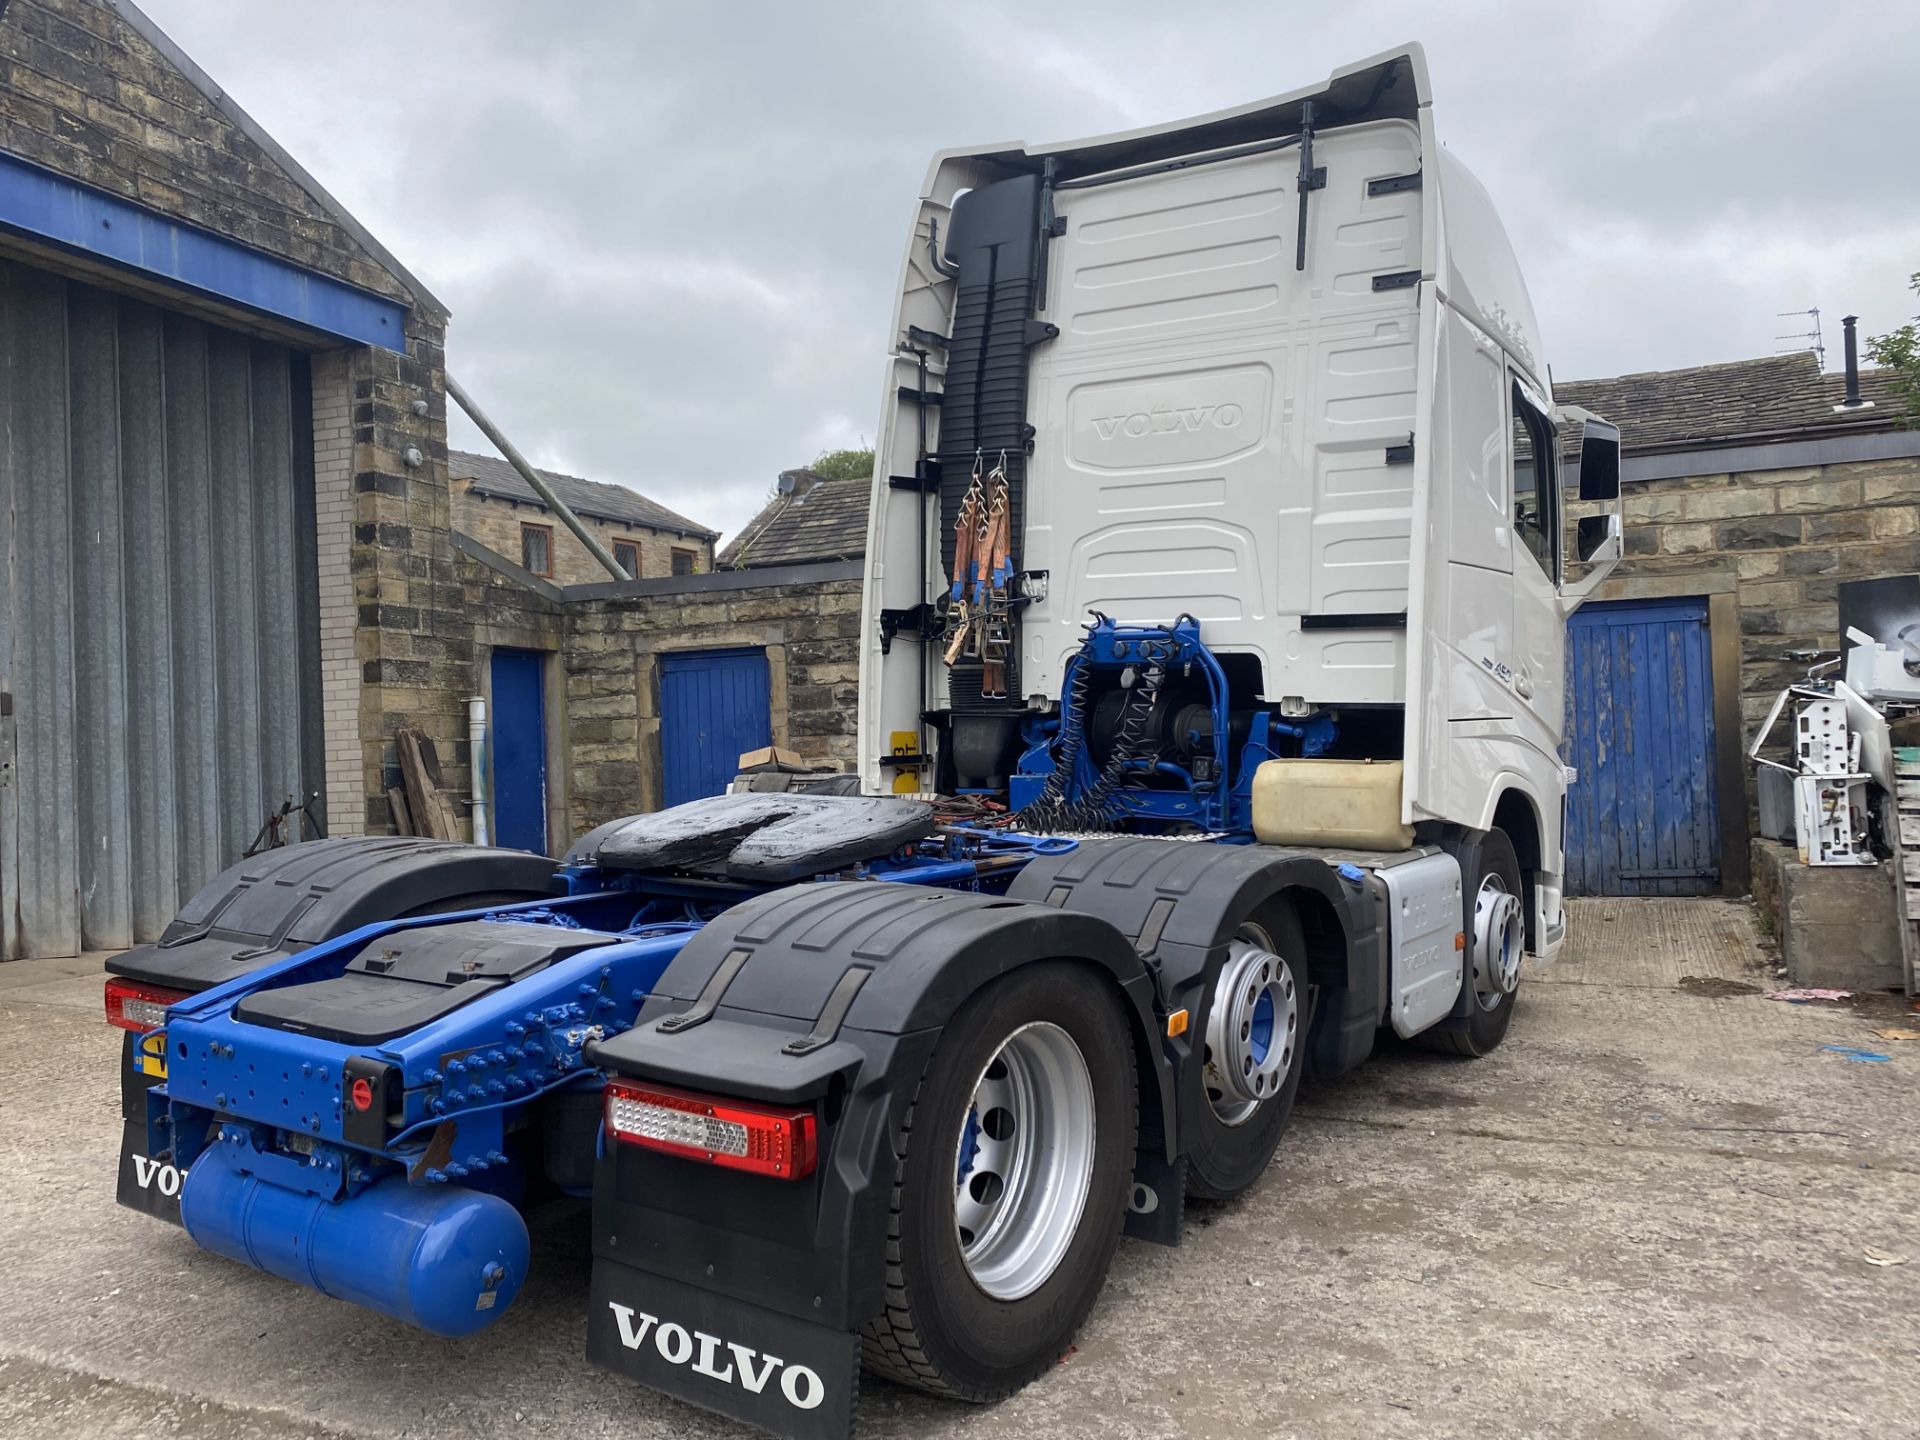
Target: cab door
[1539, 629]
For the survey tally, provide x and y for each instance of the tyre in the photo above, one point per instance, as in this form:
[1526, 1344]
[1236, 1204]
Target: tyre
[1011, 1185]
[1496, 929]
[1255, 1052]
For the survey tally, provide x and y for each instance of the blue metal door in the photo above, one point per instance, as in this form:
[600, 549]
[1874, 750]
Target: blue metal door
[1642, 815]
[519, 742]
[713, 709]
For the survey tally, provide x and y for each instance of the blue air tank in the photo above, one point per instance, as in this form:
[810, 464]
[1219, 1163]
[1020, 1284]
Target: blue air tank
[447, 1260]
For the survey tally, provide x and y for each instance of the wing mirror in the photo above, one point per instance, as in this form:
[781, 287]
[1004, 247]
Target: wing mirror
[1599, 456]
[1594, 533]
[1599, 532]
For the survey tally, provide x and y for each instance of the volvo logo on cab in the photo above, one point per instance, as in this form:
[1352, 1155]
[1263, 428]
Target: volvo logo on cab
[746, 1368]
[1170, 421]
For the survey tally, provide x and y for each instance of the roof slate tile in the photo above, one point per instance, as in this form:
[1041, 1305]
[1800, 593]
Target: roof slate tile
[493, 476]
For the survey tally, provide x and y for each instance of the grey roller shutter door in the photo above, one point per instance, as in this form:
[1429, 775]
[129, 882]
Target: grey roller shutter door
[158, 619]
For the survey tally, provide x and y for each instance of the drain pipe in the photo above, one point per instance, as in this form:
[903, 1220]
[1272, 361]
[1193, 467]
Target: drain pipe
[534, 478]
[482, 766]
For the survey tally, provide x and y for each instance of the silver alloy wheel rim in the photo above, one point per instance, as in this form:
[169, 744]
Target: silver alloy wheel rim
[1024, 1161]
[1253, 1026]
[1498, 943]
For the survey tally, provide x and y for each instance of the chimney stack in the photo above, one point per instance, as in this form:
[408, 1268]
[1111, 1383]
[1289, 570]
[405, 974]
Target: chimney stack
[1852, 400]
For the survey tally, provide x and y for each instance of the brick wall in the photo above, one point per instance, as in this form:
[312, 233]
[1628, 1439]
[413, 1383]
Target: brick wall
[496, 524]
[339, 664]
[415, 635]
[89, 97]
[85, 94]
[1786, 538]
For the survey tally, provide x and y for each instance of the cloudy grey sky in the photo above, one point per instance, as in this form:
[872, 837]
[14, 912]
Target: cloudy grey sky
[668, 232]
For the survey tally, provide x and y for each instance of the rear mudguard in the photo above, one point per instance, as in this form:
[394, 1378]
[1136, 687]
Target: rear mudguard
[286, 900]
[1180, 903]
[278, 904]
[830, 996]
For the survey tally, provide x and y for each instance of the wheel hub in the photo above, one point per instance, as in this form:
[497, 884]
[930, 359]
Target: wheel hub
[1253, 1025]
[1023, 1161]
[1499, 940]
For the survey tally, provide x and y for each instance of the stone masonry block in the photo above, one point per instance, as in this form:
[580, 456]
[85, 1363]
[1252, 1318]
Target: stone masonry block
[1728, 504]
[1838, 494]
[1685, 539]
[1760, 533]
[1838, 925]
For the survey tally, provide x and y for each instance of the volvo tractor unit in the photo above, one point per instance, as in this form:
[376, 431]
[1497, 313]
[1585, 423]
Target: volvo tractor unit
[1222, 542]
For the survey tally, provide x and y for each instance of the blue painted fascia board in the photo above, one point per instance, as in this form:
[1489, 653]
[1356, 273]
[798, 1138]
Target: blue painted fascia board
[47, 207]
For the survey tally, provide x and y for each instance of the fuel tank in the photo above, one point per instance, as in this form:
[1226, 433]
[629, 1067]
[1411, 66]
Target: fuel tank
[446, 1259]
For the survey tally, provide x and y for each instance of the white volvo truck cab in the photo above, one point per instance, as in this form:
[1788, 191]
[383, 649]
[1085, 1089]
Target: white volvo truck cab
[1272, 373]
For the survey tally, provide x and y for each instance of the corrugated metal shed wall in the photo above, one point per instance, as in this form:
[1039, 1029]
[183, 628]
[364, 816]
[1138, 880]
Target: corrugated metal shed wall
[158, 627]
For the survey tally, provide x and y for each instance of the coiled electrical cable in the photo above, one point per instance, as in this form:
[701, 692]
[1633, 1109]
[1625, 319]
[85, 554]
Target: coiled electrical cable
[1097, 809]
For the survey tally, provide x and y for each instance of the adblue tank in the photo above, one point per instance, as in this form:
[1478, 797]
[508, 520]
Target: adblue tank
[446, 1260]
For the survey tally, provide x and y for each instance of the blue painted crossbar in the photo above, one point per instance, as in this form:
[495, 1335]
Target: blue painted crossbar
[48, 207]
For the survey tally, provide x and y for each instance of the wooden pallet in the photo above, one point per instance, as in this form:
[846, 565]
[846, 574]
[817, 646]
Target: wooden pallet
[429, 809]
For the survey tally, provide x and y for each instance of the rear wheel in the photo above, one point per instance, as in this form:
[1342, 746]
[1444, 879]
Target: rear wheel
[1255, 1051]
[1496, 930]
[1010, 1191]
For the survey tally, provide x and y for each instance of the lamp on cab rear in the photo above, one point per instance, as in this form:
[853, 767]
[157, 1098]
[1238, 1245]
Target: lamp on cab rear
[761, 1139]
[139, 1008]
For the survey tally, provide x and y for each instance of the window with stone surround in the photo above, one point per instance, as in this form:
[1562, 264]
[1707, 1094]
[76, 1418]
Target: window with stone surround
[685, 562]
[536, 549]
[626, 554]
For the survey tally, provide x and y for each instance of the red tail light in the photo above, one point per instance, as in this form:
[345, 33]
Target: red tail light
[139, 1008]
[763, 1139]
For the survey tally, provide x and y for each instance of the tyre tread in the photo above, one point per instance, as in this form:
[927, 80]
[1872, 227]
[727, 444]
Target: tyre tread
[890, 1344]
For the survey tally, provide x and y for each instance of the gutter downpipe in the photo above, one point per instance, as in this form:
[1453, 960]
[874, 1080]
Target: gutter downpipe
[482, 766]
[533, 477]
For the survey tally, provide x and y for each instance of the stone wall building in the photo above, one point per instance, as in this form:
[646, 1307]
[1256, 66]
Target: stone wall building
[1744, 479]
[493, 504]
[237, 541]
[608, 646]
[224, 491]
[785, 592]
[1747, 490]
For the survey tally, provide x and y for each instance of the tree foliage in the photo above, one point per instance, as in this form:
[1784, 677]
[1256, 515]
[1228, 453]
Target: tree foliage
[1899, 351]
[843, 465]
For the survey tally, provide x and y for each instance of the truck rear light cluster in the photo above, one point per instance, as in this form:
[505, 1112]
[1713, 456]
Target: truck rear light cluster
[763, 1139]
[139, 1008]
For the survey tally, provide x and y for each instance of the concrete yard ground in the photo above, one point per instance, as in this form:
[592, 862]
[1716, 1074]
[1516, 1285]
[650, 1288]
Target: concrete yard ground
[1653, 1212]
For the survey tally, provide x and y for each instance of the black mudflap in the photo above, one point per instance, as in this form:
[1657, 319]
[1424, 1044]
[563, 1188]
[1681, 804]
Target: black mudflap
[788, 1376]
[1158, 1203]
[147, 1183]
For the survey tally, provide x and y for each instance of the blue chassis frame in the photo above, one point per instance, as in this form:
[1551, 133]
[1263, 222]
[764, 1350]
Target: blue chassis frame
[484, 1062]
[282, 1095]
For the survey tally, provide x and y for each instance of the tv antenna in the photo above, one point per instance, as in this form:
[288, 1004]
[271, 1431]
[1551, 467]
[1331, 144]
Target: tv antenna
[1809, 339]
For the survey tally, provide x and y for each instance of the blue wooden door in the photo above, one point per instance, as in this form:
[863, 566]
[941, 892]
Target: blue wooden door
[713, 709]
[519, 742]
[1642, 815]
